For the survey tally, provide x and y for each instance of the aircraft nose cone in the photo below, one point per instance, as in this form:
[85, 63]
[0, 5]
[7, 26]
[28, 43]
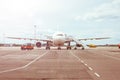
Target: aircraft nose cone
[59, 41]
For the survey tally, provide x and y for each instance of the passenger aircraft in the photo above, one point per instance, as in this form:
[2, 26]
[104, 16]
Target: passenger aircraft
[59, 39]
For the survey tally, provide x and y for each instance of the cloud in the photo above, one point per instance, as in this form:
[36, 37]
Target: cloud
[106, 11]
[25, 11]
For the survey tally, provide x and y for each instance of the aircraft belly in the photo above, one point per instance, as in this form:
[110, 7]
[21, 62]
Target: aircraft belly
[58, 42]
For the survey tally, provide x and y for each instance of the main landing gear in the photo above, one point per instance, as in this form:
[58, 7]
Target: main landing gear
[68, 47]
[59, 48]
[47, 46]
[82, 47]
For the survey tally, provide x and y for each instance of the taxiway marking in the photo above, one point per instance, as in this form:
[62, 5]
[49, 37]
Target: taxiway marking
[85, 64]
[82, 61]
[97, 74]
[76, 56]
[22, 67]
[90, 68]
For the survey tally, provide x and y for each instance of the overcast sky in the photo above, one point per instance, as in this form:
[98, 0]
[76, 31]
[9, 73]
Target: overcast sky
[80, 18]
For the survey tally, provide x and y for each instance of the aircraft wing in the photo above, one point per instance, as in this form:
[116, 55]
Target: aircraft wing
[45, 40]
[94, 38]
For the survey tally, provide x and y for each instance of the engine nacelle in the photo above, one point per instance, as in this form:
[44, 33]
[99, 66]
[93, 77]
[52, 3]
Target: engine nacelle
[78, 45]
[38, 44]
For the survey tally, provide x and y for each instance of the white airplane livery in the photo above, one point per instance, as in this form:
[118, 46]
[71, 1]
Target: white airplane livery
[59, 39]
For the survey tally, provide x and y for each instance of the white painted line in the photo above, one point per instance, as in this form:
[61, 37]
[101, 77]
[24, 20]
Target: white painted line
[85, 64]
[35, 60]
[90, 68]
[22, 67]
[82, 61]
[97, 74]
[11, 70]
[75, 56]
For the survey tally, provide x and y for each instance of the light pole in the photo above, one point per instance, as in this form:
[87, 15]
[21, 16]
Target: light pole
[35, 33]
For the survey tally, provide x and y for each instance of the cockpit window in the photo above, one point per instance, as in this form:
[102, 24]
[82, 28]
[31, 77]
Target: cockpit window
[59, 34]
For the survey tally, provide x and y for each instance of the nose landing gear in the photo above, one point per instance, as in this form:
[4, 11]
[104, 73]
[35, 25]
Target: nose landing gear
[59, 48]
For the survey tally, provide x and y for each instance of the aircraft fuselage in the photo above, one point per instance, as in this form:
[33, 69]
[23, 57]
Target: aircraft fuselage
[59, 39]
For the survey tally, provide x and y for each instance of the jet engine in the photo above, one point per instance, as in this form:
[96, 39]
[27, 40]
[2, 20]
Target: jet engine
[38, 44]
[78, 45]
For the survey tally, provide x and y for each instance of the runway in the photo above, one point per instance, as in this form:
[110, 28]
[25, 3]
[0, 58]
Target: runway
[40, 64]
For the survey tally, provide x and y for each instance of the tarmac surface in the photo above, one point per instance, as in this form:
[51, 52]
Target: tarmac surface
[39, 64]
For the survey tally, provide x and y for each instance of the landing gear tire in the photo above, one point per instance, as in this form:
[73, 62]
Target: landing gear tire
[75, 48]
[59, 48]
[47, 48]
[68, 47]
[83, 48]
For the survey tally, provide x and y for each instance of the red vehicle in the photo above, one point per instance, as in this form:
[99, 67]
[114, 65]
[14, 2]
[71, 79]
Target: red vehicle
[119, 46]
[27, 46]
